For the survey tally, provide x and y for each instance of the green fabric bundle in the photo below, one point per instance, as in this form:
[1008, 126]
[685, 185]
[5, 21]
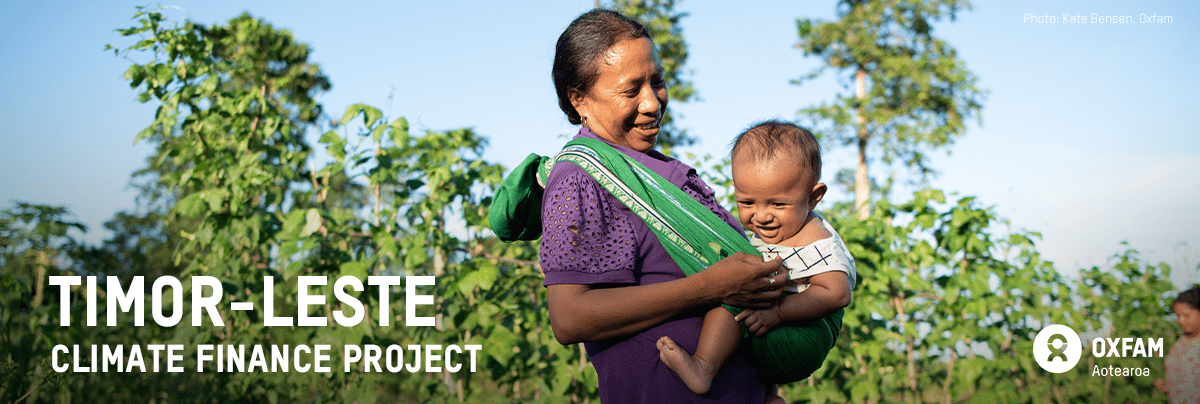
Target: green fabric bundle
[516, 211]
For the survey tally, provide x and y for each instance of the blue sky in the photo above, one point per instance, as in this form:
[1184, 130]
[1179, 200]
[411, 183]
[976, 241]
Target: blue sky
[1089, 132]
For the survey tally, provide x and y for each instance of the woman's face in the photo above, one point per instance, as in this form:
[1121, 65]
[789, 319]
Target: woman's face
[1188, 318]
[627, 102]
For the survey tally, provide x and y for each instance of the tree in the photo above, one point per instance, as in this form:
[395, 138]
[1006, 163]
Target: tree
[140, 246]
[34, 243]
[912, 93]
[235, 102]
[245, 95]
[1132, 299]
[236, 176]
[943, 307]
[662, 21]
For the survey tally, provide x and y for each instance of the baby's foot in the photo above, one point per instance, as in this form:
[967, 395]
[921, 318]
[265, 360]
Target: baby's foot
[695, 372]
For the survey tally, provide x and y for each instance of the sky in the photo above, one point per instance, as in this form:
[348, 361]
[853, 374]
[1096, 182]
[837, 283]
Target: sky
[1089, 131]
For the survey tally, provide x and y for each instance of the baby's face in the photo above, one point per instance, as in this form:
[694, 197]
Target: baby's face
[773, 199]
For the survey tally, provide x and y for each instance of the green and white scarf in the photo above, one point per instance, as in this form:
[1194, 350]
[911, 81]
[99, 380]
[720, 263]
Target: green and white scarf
[694, 236]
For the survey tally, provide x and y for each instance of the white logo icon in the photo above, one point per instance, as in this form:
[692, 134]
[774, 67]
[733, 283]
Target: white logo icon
[1057, 348]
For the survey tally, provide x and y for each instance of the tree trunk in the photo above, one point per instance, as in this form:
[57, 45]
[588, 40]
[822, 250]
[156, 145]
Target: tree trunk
[948, 396]
[39, 283]
[862, 187]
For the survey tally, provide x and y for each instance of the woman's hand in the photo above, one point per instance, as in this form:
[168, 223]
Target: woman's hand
[1161, 385]
[760, 322]
[744, 280]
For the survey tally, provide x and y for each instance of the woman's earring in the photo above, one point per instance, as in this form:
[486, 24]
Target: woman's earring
[585, 120]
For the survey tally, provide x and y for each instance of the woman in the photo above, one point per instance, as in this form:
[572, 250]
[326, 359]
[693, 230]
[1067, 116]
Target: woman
[609, 281]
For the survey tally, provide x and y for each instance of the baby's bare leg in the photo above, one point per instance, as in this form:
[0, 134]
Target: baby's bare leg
[718, 340]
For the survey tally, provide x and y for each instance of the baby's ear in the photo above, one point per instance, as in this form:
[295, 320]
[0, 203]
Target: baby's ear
[817, 193]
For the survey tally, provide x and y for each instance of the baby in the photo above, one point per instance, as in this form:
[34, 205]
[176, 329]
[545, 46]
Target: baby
[776, 168]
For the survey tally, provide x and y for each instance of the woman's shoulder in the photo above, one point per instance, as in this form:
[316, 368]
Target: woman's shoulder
[586, 237]
[570, 186]
[674, 170]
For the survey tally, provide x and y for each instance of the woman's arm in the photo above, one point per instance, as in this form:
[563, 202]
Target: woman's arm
[584, 313]
[827, 292]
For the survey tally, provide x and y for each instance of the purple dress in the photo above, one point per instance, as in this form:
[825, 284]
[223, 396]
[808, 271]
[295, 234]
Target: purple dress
[589, 237]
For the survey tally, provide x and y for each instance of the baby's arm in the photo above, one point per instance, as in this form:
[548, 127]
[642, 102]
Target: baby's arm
[827, 292]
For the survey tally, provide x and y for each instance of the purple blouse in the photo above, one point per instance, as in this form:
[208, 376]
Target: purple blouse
[589, 237]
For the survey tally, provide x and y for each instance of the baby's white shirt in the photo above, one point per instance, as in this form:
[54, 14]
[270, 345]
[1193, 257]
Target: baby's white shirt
[824, 255]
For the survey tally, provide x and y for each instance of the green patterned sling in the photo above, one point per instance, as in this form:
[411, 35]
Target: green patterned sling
[694, 237]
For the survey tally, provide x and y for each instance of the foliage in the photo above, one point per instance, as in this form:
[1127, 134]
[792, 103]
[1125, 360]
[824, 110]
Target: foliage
[933, 293]
[34, 239]
[35, 242]
[1132, 299]
[947, 308]
[248, 201]
[662, 21]
[912, 92]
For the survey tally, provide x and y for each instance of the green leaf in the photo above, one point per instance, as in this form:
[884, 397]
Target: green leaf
[135, 76]
[293, 269]
[351, 112]
[312, 223]
[377, 133]
[356, 269]
[415, 258]
[482, 277]
[330, 137]
[215, 198]
[805, 27]
[372, 114]
[858, 393]
[348, 335]
[399, 132]
[500, 345]
[210, 84]
[191, 205]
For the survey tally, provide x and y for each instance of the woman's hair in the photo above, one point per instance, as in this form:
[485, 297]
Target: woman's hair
[579, 49]
[1190, 297]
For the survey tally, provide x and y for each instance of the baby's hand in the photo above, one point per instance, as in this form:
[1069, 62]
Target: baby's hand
[759, 322]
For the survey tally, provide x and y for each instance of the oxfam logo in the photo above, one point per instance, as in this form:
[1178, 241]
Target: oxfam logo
[1057, 348]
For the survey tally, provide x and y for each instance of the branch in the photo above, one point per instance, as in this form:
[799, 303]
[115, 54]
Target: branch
[27, 393]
